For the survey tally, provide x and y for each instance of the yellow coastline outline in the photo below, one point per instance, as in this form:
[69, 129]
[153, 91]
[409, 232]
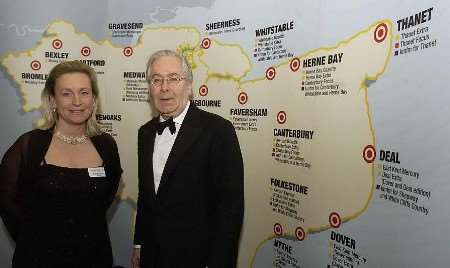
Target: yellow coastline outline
[364, 88]
[190, 52]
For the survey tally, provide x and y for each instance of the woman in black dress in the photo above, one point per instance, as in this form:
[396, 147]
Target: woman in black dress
[57, 182]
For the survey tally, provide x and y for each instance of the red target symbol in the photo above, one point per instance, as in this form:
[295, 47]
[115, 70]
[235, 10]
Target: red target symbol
[300, 233]
[57, 44]
[380, 32]
[295, 64]
[35, 65]
[281, 117]
[128, 51]
[206, 43]
[277, 229]
[85, 51]
[203, 90]
[270, 73]
[335, 220]
[369, 153]
[242, 98]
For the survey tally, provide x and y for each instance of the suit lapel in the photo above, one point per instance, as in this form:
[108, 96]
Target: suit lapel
[189, 132]
[146, 145]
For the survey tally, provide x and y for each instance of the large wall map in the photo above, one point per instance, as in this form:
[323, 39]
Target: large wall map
[330, 144]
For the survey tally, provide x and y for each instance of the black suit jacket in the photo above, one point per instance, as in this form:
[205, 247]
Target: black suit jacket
[195, 218]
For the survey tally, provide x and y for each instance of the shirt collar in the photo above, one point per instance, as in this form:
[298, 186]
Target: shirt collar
[180, 118]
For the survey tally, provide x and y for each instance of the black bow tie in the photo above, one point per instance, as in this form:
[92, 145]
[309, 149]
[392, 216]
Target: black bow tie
[168, 123]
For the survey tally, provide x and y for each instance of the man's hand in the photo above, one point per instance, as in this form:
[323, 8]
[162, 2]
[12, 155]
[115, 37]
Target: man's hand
[135, 258]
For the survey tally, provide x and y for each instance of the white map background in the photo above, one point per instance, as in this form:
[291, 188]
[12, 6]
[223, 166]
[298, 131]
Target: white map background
[409, 108]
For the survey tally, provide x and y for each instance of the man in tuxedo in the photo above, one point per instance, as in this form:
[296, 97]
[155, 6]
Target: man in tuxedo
[191, 188]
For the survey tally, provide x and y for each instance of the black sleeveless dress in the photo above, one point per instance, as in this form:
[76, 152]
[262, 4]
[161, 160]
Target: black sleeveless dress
[67, 225]
[57, 215]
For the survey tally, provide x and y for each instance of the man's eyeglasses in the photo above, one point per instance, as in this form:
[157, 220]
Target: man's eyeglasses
[172, 81]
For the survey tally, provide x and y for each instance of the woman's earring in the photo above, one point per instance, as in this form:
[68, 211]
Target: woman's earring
[54, 109]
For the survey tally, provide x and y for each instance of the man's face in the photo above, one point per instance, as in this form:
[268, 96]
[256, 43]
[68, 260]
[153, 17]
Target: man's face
[169, 89]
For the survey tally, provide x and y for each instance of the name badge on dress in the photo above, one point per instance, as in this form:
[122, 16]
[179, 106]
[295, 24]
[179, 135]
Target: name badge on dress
[97, 172]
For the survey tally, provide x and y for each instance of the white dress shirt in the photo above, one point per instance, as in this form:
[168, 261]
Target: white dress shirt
[163, 146]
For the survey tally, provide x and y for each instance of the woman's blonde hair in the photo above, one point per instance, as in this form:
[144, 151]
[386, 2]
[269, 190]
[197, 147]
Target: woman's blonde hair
[49, 115]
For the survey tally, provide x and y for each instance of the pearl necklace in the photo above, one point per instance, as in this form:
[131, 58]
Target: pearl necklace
[70, 139]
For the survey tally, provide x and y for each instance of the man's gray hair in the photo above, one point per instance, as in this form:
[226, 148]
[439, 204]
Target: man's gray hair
[185, 67]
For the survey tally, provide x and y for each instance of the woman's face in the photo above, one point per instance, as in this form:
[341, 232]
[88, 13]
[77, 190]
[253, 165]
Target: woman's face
[73, 98]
